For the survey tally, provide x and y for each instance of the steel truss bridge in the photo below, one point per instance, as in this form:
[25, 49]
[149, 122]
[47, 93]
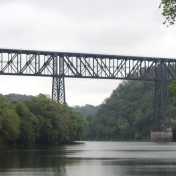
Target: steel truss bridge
[59, 65]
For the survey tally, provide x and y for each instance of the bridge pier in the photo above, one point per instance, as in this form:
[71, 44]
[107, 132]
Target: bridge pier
[58, 87]
[58, 90]
[161, 129]
[161, 134]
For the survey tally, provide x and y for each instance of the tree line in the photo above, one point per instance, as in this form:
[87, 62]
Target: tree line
[86, 110]
[38, 120]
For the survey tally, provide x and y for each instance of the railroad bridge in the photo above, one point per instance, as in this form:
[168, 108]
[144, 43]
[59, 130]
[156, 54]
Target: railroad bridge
[60, 65]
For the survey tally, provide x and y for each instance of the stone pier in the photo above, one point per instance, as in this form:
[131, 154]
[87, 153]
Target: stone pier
[161, 134]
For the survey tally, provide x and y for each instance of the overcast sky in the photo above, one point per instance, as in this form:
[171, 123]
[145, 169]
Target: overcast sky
[121, 27]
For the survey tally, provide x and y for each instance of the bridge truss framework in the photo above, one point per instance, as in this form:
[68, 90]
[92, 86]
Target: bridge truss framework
[59, 65]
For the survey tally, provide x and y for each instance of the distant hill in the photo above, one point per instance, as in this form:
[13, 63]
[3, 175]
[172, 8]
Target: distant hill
[18, 97]
[86, 110]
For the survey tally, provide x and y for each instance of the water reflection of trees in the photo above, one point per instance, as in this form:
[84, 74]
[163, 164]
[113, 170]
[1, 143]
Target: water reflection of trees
[35, 158]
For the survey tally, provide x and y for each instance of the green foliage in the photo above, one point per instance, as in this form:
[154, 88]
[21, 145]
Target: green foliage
[125, 115]
[169, 11]
[26, 135]
[86, 110]
[18, 97]
[9, 123]
[172, 89]
[4, 103]
[173, 124]
[172, 95]
[56, 123]
[38, 120]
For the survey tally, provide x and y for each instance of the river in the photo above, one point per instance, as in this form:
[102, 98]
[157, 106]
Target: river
[92, 159]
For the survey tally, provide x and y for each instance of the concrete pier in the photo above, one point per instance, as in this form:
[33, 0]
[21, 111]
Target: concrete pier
[161, 134]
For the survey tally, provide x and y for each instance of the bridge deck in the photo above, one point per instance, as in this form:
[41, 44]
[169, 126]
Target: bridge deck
[82, 65]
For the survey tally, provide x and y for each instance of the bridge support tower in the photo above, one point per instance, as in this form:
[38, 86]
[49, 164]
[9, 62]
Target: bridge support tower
[58, 87]
[161, 129]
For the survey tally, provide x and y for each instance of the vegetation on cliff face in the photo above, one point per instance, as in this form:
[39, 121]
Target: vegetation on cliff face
[38, 120]
[127, 114]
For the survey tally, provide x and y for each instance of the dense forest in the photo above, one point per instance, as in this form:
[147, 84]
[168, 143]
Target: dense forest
[38, 120]
[86, 110]
[127, 114]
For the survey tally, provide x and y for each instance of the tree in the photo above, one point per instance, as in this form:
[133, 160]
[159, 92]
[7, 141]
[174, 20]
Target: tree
[172, 89]
[28, 120]
[9, 129]
[169, 11]
[55, 123]
[172, 95]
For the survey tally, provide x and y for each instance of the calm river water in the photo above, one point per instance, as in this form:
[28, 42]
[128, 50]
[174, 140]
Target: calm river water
[93, 159]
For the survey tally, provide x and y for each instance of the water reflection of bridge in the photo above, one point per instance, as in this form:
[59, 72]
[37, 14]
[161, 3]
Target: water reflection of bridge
[59, 65]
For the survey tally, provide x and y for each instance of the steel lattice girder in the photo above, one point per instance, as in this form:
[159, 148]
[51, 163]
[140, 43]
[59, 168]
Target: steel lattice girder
[41, 63]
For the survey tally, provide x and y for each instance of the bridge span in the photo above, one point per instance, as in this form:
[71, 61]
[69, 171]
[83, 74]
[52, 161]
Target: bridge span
[60, 65]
